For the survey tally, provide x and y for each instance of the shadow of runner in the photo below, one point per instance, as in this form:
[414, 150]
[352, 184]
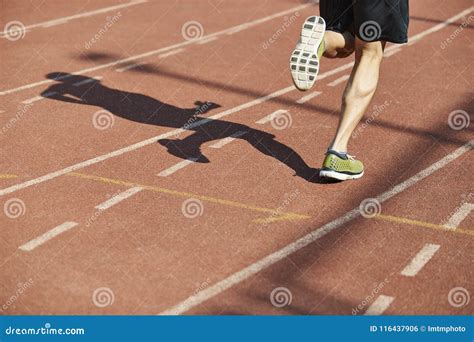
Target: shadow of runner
[144, 109]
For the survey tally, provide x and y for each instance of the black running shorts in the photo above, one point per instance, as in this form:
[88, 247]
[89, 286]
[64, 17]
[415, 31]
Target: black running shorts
[370, 20]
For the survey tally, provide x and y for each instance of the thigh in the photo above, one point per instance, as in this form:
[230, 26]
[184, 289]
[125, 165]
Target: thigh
[377, 20]
[338, 14]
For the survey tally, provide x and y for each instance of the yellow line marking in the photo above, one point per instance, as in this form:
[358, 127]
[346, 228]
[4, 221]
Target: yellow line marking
[284, 216]
[7, 176]
[405, 220]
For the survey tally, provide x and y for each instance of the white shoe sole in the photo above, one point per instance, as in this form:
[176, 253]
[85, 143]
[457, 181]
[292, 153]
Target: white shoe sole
[304, 61]
[338, 175]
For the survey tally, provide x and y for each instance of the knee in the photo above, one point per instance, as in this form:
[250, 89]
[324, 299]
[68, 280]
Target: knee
[372, 51]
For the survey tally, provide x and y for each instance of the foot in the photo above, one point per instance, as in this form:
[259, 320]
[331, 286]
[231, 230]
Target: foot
[305, 59]
[341, 166]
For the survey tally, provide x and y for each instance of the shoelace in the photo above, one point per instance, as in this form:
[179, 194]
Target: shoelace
[350, 157]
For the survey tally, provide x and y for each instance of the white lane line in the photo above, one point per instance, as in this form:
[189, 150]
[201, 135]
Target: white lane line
[379, 305]
[177, 167]
[460, 214]
[411, 41]
[174, 52]
[39, 97]
[119, 198]
[271, 116]
[339, 80]
[420, 260]
[29, 246]
[147, 142]
[141, 144]
[77, 16]
[308, 97]
[128, 67]
[316, 234]
[153, 52]
[205, 41]
[391, 52]
[89, 80]
[221, 143]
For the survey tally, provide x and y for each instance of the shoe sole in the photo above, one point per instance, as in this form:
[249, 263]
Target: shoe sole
[304, 61]
[338, 175]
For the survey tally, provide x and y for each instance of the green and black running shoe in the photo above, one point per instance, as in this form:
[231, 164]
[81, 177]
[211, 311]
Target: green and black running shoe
[341, 166]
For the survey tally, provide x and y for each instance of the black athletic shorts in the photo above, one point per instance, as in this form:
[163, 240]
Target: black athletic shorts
[370, 20]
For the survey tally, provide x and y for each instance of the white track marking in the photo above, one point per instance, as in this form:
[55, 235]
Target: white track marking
[155, 52]
[339, 80]
[141, 144]
[346, 66]
[227, 140]
[152, 140]
[391, 52]
[128, 67]
[271, 116]
[379, 305]
[29, 246]
[420, 260]
[89, 80]
[39, 97]
[63, 20]
[174, 52]
[316, 234]
[460, 214]
[119, 198]
[308, 97]
[440, 26]
[205, 41]
[177, 167]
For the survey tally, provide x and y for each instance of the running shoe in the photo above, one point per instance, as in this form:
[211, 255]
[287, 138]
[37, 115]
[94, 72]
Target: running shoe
[341, 166]
[305, 59]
